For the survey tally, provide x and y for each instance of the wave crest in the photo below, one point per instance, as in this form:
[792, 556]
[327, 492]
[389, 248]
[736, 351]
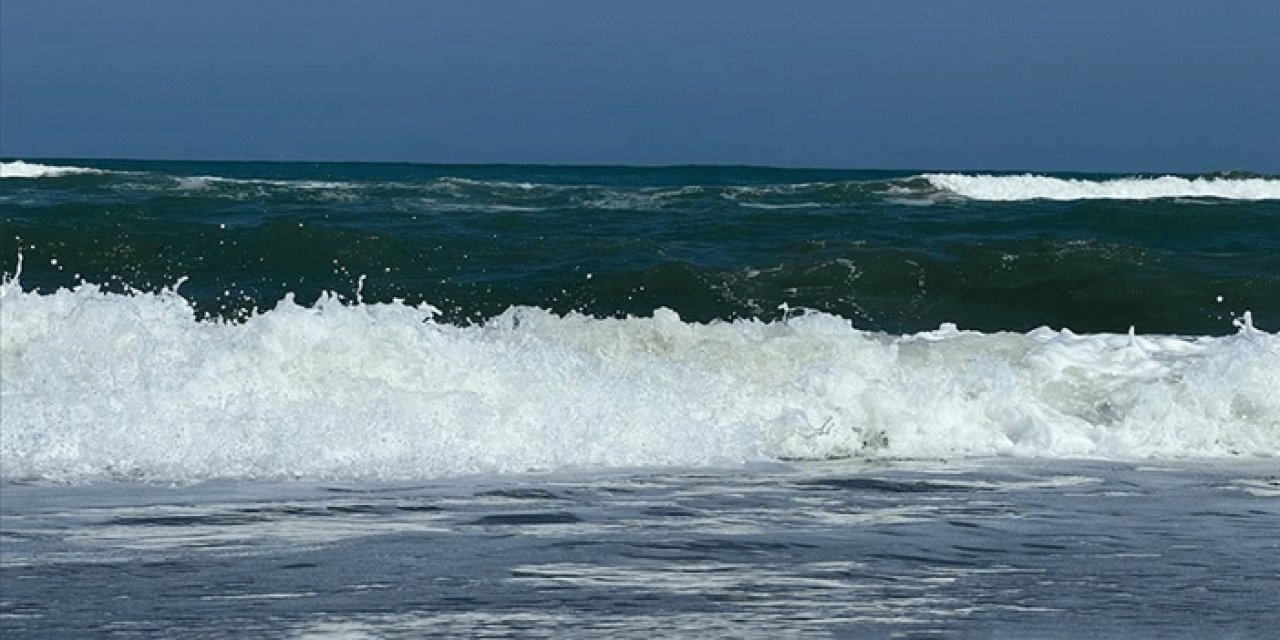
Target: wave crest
[1034, 187]
[21, 169]
[98, 385]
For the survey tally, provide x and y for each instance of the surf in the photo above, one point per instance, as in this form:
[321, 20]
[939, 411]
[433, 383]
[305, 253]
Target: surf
[1011, 188]
[22, 169]
[109, 386]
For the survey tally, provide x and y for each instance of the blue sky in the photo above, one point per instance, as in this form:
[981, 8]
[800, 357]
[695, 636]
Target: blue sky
[1079, 85]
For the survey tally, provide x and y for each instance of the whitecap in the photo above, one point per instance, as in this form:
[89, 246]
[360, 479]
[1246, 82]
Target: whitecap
[1037, 187]
[21, 169]
[98, 385]
[196, 183]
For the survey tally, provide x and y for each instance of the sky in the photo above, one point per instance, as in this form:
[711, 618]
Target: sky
[1080, 85]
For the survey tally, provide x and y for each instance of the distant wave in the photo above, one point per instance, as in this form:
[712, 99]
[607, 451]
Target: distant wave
[491, 184]
[1034, 187]
[20, 169]
[107, 386]
[207, 182]
[784, 205]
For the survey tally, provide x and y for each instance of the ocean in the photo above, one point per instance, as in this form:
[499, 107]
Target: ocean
[397, 400]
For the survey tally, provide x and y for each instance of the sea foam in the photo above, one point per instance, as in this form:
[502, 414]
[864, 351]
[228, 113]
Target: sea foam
[97, 385]
[1034, 187]
[20, 169]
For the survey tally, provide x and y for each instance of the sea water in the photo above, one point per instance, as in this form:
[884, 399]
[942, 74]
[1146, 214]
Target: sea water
[396, 400]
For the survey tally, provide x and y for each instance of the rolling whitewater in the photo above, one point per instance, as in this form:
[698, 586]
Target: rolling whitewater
[601, 399]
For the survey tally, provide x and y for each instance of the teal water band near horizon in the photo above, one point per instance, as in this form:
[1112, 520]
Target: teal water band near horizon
[899, 251]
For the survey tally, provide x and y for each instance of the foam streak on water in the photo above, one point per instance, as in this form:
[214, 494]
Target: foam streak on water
[974, 548]
[98, 385]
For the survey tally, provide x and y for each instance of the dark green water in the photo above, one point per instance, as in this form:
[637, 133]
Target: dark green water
[890, 251]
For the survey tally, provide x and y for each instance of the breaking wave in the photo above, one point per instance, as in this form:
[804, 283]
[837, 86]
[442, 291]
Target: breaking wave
[1033, 187]
[21, 169]
[99, 385]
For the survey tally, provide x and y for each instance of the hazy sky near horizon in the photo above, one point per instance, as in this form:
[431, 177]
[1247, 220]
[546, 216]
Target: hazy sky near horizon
[1000, 84]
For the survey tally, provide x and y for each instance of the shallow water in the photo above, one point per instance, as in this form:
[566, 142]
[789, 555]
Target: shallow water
[992, 548]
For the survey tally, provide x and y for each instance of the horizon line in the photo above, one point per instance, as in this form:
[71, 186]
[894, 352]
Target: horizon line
[619, 165]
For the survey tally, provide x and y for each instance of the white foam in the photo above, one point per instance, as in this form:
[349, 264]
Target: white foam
[492, 184]
[197, 183]
[20, 169]
[770, 207]
[1034, 187]
[96, 385]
